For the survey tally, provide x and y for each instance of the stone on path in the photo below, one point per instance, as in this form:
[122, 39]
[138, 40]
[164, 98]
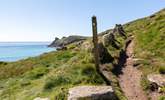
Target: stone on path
[159, 79]
[91, 93]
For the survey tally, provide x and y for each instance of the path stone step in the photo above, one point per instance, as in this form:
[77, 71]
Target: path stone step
[91, 93]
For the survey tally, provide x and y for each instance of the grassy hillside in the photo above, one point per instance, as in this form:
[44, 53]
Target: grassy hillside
[149, 36]
[51, 74]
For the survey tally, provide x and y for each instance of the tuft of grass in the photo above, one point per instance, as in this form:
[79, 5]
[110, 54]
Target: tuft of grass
[162, 70]
[55, 81]
[36, 73]
[145, 83]
[25, 82]
[88, 70]
[65, 56]
[118, 91]
[162, 89]
[162, 98]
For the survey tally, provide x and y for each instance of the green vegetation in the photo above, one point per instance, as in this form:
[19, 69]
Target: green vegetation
[49, 75]
[162, 98]
[162, 70]
[162, 89]
[117, 89]
[149, 36]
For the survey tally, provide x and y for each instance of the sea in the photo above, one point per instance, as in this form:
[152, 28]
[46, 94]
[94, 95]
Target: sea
[14, 51]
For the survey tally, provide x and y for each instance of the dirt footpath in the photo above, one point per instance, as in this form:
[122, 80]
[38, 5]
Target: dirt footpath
[130, 79]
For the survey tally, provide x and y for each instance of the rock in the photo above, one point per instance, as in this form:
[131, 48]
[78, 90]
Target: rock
[38, 98]
[137, 62]
[61, 48]
[153, 86]
[152, 16]
[120, 30]
[66, 40]
[108, 39]
[104, 56]
[91, 93]
[159, 79]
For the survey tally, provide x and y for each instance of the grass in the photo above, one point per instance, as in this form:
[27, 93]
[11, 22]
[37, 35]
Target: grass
[149, 37]
[162, 70]
[117, 88]
[162, 89]
[37, 72]
[162, 98]
[56, 81]
[49, 75]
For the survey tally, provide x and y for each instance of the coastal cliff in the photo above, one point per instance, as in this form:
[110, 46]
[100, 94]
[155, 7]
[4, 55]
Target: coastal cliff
[66, 40]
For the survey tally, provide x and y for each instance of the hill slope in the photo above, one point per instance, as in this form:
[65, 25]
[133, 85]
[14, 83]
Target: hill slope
[149, 36]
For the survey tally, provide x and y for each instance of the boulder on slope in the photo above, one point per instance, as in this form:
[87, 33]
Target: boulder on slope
[91, 93]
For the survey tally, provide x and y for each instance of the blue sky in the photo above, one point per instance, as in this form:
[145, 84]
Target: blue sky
[43, 20]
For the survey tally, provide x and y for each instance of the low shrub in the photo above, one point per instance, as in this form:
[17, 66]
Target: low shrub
[37, 72]
[88, 70]
[65, 55]
[88, 58]
[61, 95]
[3, 63]
[162, 70]
[71, 46]
[86, 74]
[55, 81]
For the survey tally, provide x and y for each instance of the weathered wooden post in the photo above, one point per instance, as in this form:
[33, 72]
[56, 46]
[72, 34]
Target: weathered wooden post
[96, 50]
[95, 42]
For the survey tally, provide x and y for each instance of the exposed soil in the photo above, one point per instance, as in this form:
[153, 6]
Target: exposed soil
[129, 77]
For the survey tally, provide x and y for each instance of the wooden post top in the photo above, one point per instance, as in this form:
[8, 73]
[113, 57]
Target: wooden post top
[94, 20]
